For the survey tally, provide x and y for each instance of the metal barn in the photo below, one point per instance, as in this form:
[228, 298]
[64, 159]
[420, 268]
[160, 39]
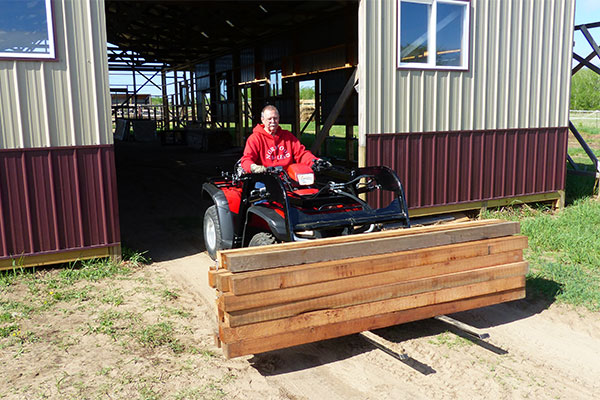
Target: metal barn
[58, 192]
[466, 100]
[486, 128]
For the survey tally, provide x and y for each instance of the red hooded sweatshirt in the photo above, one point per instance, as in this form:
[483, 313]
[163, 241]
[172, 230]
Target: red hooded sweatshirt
[280, 149]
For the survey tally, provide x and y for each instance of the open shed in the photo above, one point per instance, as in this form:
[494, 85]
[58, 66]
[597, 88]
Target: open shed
[466, 100]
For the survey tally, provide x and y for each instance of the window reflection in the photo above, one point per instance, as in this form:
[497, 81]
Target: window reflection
[26, 29]
[413, 35]
[449, 34]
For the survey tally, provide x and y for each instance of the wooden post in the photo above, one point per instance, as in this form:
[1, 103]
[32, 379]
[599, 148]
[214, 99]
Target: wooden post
[237, 92]
[296, 116]
[194, 94]
[317, 109]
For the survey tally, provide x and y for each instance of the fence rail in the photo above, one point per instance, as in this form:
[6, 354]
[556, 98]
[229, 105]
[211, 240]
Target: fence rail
[585, 117]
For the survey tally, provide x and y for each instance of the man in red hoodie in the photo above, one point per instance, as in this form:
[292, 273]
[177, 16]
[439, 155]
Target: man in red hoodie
[271, 146]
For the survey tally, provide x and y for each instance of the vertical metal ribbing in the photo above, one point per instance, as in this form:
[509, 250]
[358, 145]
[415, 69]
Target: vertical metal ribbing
[503, 171]
[514, 166]
[27, 202]
[17, 101]
[493, 175]
[432, 171]
[470, 166]
[102, 194]
[78, 197]
[481, 166]
[539, 69]
[524, 158]
[535, 157]
[52, 185]
[496, 69]
[531, 64]
[508, 63]
[68, 63]
[458, 157]
[552, 76]
[91, 65]
[447, 167]
[45, 106]
[517, 97]
[2, 222]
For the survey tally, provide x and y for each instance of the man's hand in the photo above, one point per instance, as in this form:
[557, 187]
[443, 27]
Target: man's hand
[321, 165]
[258, 169]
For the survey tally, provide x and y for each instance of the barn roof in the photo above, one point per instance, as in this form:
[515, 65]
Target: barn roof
[180, 32]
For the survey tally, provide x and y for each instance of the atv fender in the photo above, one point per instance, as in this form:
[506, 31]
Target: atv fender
[223, 212]
[276, 222]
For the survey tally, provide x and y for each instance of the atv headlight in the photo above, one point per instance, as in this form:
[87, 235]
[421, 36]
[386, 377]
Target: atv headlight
[306, 179]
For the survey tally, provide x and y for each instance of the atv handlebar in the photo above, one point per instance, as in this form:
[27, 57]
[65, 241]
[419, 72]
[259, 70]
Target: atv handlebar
[320, 165]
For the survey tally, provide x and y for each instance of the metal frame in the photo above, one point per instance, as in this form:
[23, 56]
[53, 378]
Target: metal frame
[585, 62]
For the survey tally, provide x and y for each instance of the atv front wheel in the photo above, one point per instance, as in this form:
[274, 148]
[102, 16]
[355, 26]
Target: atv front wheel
[213, 240]
[262, 239]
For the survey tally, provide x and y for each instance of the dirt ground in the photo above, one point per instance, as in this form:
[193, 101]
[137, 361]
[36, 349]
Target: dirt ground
[536, 349]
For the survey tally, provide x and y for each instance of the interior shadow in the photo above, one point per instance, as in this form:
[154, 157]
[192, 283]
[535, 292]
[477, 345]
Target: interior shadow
[161, 209]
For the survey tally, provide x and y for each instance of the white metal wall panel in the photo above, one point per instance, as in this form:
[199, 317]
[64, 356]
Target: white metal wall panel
[518, 77]
[64, 102]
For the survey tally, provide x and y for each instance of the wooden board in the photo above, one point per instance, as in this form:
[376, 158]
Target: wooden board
[399, 272]
[317, 333]
[367, 295]
[223, 255]
[284, 277]
[240, 262]
[330, 316]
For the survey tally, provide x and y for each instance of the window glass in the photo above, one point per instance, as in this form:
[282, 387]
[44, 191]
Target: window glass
[26, 29]
[433, 34]
[223, 89]
[449, 27]
[275, 81]
[413, 34]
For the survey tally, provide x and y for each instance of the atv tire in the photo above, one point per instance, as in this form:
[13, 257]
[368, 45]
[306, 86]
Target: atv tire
[262, 239]
[213, 240]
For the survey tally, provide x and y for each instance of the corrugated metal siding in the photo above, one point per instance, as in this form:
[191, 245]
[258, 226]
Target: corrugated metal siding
[57, 199]
[518, 77]
[64, 102]
[441, 168]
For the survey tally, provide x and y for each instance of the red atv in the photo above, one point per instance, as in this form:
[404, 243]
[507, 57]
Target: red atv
[289, 205]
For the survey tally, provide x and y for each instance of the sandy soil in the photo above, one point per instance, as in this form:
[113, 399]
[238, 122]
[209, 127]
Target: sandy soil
[536, 349]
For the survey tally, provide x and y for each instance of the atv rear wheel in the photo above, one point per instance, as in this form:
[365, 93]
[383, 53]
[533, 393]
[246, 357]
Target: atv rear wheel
[213, 240]
[262, 239]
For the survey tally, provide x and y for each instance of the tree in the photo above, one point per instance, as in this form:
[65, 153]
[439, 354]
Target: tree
[307, 93]
[585, 90]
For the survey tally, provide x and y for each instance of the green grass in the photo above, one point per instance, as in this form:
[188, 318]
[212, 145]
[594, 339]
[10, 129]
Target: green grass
[564, 250]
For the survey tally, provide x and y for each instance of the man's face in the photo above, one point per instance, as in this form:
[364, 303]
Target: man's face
[270, 120]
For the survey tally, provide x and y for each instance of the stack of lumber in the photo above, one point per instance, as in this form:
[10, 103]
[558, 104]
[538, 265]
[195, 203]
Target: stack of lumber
[277, 296]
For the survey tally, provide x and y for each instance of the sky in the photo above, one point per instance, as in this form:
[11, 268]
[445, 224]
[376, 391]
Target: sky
[586, 11]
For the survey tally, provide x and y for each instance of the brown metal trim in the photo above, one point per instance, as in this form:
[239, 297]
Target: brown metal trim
[441, 168]
[57, 199]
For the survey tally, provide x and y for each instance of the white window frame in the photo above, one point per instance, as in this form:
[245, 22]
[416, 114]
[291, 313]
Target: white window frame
[51, 55]
[432, 36]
